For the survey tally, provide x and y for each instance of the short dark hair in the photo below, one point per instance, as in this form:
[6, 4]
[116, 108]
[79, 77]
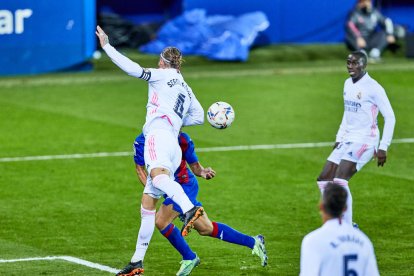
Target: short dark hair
[334, 199]
[361, 55]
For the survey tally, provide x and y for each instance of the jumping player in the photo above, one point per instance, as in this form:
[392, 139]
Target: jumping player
[171, 105]
[169, 211]
[336, 248]
[358, 135]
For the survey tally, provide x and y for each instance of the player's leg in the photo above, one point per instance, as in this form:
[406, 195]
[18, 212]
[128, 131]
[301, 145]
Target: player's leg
[162, 155]
[357, 155]
[221, 231]
[327, 175]
[329, 170]
[163, 221]
[165, 215]
[148, 210]
[179, 196]
[346, 170]
[146, 230]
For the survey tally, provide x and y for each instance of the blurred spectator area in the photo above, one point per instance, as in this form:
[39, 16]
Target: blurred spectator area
[141, 12]
[400, 11]
[132, 23]
[314, 22]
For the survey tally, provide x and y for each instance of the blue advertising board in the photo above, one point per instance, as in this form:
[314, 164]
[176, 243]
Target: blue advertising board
[45, 36]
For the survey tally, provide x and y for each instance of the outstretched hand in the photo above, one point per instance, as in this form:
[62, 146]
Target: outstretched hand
[208, 173]
[381, 157]
[103, 37]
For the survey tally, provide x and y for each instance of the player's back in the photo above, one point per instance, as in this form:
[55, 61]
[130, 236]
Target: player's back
[169, 96]
[337, 249]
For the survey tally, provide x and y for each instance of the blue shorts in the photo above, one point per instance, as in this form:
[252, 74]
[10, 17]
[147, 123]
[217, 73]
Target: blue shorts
[191, 190]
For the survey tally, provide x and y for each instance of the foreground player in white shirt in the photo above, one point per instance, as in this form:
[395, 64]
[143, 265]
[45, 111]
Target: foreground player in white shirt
[336, 248]
[358, 135]
[171, 105]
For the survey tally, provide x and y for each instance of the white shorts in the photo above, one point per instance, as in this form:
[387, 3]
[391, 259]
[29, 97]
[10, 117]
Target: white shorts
[162, 150]
[355, 152]
[151, 190]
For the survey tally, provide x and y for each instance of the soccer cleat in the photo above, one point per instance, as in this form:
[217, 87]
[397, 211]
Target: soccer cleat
[187, 266]
[189, 219]
[259, 249]
[132, 269]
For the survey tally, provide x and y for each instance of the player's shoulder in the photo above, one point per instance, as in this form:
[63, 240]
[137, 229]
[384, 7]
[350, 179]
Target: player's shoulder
[364, 237]
[373, 84]
[140, 139]
[314, 237]
[156, 73]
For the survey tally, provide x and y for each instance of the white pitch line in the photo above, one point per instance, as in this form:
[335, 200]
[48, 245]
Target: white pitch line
[82, 79]
[65, 258]
[211, 149]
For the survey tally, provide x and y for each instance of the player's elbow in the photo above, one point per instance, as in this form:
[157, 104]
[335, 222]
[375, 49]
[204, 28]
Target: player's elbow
[200, 120]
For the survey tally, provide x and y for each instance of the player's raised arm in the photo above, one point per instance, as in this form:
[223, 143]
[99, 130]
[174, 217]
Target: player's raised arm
[128, 66]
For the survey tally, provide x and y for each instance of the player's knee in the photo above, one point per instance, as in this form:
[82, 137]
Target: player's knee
[324, 178]
[160, 223]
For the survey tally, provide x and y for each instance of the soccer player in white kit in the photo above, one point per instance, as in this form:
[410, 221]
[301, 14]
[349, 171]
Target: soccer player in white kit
[336, 248]
[171, 105]
[358, 135]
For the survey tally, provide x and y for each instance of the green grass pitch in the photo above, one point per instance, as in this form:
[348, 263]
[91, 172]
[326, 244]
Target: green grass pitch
[88, 208]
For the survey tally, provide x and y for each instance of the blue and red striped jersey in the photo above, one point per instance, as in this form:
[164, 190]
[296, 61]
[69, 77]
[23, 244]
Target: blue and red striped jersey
[183, 174]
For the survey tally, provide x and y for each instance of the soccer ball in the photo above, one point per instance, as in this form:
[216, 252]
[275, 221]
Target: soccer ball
[220, 115]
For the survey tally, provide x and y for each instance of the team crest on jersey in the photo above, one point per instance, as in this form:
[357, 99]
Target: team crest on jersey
[359, 95]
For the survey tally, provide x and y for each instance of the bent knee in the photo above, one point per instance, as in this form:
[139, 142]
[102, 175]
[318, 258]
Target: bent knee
[160, 223]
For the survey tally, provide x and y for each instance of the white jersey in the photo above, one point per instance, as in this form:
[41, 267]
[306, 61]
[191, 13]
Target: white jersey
[362, 101]
[169, 96]
[337, 248]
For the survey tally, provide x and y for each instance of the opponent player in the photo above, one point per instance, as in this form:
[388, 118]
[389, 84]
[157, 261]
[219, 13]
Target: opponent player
[358, 135]
[170, 210]
[171, 104]
[336, 248]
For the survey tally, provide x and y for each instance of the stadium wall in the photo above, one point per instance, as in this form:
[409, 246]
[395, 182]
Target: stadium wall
[305, 21]
[46, 36]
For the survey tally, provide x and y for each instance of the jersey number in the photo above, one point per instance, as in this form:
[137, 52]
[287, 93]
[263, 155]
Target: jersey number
[179, 105]
[349, 271]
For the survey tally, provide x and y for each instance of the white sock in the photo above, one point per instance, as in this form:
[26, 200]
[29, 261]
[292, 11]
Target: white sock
[322, 184]
[144, 235]
[173, 190]
[348, 212]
